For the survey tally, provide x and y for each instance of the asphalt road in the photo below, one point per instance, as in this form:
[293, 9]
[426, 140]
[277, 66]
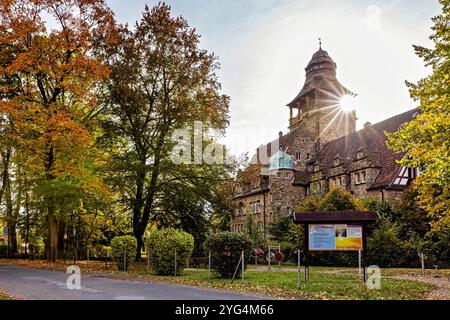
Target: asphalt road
[50, 285]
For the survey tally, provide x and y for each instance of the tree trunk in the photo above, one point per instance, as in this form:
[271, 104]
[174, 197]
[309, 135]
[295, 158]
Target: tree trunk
[10, 219]
[61, 235]
[137, 213]
[52, 231]
[12, 238]
[27, 223]
[139, 245]
[52, 236]
[5, 172]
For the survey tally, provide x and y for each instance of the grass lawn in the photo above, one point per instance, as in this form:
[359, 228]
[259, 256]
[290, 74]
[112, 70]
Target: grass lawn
[322, 285]
[325, 283]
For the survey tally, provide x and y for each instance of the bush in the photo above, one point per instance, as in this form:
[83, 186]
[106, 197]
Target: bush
[98, 252]
[436, 247]
[384, 247]
[120, 245]
[162, 245]
[339, 199]
[226, 249]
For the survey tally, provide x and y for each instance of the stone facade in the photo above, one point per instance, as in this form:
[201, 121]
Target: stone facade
[321, 150]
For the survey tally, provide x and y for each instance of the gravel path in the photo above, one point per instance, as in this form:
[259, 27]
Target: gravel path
[442, 286]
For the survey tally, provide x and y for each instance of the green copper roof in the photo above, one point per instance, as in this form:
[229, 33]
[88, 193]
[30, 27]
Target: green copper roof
[281, 160]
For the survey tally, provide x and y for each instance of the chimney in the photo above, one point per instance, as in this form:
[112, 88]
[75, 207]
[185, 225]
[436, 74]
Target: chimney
[280, 136]
[367, 125]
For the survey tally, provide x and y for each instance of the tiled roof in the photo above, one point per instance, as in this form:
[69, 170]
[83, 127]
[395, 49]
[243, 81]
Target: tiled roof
[329, 85]
[284, 142]
[372, 140]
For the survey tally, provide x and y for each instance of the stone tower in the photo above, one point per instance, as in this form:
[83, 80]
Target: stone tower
[283, 198]
[316, 109]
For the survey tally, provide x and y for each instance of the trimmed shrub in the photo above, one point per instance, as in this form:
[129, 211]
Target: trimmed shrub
[162, 245]
[226, 249]
[120, 245]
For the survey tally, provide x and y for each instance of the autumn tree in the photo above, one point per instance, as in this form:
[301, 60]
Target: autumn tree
[426, 140]
[161, 81]
[53, 101]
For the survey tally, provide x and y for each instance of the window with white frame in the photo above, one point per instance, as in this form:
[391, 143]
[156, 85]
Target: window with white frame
[336, 161]
[405, 175]
[256, 207]
[359, 155]
[361, 177]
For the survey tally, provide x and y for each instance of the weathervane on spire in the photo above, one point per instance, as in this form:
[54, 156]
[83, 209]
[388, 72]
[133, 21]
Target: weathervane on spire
[320, 43]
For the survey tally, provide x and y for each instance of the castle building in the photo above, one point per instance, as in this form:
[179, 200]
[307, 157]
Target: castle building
[322, 149]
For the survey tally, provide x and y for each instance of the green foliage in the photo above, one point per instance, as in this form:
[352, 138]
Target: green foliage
[253, 232]
[279, 229]
[162, 245]
[226, 249]
[394, 241]
[385, 248]
[309, 204]
[289, 250]
[339, 199]
[436, 247]
[404, 231]
[192, 203]
[426, 140]
[285, 230]
[123, 248]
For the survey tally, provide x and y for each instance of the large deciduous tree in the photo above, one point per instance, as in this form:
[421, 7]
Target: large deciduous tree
[161, 81]
[426, 140]
[52, 101]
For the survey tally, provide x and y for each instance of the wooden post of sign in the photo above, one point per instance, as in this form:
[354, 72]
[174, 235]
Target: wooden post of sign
[359, 263]
[298, 265]
[306, 248]
[364, 251]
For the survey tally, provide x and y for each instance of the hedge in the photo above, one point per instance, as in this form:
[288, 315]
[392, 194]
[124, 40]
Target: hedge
[120, 245]
[226, 249]
[162, 245]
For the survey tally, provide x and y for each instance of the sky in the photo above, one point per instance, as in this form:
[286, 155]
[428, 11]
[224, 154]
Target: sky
[264, 46]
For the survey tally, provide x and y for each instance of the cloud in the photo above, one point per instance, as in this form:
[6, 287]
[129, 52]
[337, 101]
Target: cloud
[264, 46]
[373, 20]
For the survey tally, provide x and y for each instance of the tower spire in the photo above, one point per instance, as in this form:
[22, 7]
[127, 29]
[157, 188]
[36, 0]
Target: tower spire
[320, 43]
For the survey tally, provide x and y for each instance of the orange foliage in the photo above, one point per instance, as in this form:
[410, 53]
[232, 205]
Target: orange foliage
[58, 72]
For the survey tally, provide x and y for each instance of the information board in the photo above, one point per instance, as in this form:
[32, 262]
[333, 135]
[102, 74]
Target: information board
[335, 237]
